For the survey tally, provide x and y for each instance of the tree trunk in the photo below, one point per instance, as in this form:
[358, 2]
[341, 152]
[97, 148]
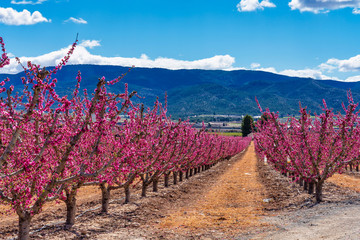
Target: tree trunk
[199, 168]
[318, 193]
[357, 168]
[127, 193]
[70, 212]
[195, 171]
[301, 182]
[181, 176]
[143, 190]
[24, 227]
[187, 174]
[191, 172]
[166, 179]
[306, 185]
[351, 167]
[105, 198]
[175, 177]
[311, 187]
[155, 184]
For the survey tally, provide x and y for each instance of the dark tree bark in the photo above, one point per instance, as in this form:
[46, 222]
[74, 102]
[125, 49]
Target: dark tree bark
[166, 179]
[301, 182]
[70, 203]
[306, 185]
[143, 190]
[155, 184]
[311, 187]
[70, 212]
[24, 226]
[175, 177]
[191, 172]
[127, 193]
[105, 198]
[146, 181]
[318, 193]
[181, 174]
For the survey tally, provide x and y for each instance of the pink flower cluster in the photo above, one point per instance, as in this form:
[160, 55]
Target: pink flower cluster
[4, 60]
[312, 148]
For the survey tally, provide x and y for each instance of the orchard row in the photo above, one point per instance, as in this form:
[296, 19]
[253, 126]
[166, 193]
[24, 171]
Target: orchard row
[53, 145]
[311, 148]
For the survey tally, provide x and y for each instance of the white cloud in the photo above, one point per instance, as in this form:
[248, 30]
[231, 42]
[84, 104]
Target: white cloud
[353, 79]
[255, 65]
[307, 73]
[28, 2]
[10, 16]
[346, 65]
[356, 11]
[144, 56]
[253, 5]
[327, 67]
[76, 20]
[320, 72]
[90, 43]
[324, 6]
[303, 73]
[83, 56]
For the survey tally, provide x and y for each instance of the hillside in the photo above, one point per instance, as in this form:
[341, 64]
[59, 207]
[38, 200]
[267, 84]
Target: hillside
[194, 92]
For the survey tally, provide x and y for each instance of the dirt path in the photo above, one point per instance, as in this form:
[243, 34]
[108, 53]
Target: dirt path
[298, 218]
[233, 203]
[323, 221]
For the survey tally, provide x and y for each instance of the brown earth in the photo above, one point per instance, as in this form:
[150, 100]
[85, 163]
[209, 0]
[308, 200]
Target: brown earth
[240, 198]
[346, 181]
[233, 203]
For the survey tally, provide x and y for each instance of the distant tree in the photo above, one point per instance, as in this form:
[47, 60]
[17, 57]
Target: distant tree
[264, 118]
[247, 125]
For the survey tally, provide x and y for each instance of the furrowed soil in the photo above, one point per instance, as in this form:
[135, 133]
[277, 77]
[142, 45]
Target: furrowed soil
[240, 198]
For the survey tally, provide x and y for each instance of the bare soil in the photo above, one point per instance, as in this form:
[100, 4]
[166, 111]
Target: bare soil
[240, 198]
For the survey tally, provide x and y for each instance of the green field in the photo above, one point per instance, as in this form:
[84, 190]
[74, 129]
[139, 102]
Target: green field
[236, 134]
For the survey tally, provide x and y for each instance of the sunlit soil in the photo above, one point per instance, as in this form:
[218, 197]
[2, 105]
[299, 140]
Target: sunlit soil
[346, 181]
[233, 203]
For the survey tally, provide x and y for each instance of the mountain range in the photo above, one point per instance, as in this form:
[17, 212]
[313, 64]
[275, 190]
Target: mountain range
[211, 92]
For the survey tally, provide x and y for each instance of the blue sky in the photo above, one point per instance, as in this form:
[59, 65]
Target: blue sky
[311, 38]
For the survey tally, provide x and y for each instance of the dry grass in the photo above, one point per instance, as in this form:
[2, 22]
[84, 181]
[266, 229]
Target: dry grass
[234, 202]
